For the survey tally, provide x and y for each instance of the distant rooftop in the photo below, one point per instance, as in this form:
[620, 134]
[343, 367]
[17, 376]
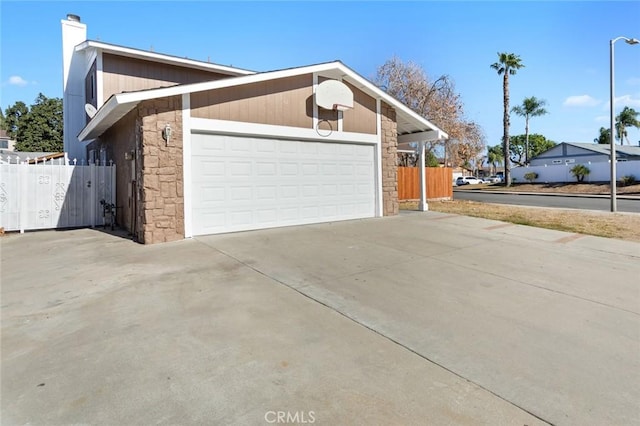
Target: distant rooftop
[605, 149]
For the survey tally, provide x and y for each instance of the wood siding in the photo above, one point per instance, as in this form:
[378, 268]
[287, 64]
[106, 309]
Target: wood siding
[284, 102]
[122, 74]
[362, 118]
[439, 183]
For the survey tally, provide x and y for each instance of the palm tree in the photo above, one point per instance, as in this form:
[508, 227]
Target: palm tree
[508, 64]
[531, 107]
[494, 156]
[626, 118]
[604, 137]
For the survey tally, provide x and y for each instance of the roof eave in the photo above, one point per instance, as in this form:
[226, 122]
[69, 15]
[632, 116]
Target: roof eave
[109, 114]
[382, 95]
[160, 57]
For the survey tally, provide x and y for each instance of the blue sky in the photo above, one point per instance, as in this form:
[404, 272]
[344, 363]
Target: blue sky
[564, 46]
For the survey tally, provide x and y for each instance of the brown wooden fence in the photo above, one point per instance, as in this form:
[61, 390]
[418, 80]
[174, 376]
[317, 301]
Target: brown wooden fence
[439, 183]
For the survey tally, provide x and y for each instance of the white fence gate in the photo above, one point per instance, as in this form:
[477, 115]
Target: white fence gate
[54, 194]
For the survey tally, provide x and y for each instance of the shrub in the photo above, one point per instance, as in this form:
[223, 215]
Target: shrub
[580, 171]
[628, 180]
[531, 176]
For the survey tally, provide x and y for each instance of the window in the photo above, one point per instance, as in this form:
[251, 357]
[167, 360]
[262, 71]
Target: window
[4, 144]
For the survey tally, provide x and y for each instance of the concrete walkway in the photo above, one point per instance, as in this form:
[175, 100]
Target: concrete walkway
[424, 318]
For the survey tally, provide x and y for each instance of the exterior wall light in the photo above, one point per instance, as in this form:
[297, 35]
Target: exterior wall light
[166, 133]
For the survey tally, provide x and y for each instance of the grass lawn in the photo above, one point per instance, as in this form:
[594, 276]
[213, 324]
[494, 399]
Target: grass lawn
[601, 188]
[623, 226]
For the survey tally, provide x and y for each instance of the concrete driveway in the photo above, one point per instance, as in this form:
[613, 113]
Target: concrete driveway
[424, 318]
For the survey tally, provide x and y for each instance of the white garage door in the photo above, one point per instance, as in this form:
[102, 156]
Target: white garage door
[243, 183]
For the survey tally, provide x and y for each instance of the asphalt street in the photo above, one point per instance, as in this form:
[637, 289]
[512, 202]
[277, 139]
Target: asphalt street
[557, 201]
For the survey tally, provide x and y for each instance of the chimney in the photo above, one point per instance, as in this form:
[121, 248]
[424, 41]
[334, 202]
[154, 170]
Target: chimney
[74, 32]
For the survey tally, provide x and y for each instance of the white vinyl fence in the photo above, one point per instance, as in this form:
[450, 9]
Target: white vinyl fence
[54, 194]
[600, 172]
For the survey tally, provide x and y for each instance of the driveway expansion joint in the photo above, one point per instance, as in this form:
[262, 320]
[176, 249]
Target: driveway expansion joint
[378, 333]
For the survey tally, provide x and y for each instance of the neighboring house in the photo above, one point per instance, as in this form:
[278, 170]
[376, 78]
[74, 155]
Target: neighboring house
[6, 143]
[202, 148]
[583, 153]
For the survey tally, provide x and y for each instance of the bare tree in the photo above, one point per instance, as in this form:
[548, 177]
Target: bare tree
[437, 101]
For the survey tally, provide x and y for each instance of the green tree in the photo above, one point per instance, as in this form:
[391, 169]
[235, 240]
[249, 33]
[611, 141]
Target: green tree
[14, 117]
[38, 128]
[604, 137]
[531, 107]
[508, 64]
[580, 171]
[431, 160]
[537, 145]
[494, 157]
[628, 117]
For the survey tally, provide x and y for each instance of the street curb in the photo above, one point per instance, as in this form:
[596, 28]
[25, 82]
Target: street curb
[549, 194]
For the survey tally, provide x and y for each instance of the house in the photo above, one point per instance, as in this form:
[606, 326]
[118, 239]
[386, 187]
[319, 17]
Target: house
[583, 153]
[202, 148]
[6, 143]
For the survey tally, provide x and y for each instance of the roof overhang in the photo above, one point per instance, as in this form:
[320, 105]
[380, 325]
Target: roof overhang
[410, 125]
[161, 58]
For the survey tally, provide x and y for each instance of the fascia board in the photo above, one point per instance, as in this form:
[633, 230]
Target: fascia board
[159, 57]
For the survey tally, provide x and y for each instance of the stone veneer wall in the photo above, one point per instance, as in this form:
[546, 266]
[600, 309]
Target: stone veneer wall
[161, 173]
[389, 160]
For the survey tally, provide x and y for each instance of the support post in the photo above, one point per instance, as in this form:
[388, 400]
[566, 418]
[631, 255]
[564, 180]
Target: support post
[612, 142]
[422, 206]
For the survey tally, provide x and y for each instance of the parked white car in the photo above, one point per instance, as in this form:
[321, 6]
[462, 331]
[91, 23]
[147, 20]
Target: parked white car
[468, 180]
[493, 179]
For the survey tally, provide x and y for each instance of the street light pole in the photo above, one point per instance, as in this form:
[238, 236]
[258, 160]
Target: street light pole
[612, 142]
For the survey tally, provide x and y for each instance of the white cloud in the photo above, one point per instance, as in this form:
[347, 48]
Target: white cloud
[627, 100]
[632, 101]
[16, 80]
[580, 101]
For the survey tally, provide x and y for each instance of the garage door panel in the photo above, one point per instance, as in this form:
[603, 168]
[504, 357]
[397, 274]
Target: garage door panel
[267, 146]
[205, 167]
[268, 216]
[264, 192]
[289, 169]
[264, 168]
[310, 170]
[251, 183]
[211, 195]
[241, 218]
